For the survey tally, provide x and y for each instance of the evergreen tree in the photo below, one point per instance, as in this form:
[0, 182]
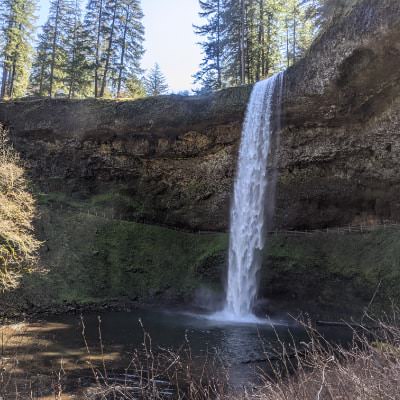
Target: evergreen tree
[77, 68]
[234, 41]
[39, 80]
[155, 82]
[17, 17]
[256, 37]
[263, 39]
[110, 33]
[95, 24]
[52, 50]
[116, 35]
[300, 28]
[135, 88]
[252, 37]
[130, 43]
[211, 68]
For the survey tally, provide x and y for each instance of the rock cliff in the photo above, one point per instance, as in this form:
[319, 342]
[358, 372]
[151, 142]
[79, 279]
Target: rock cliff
[174, 157]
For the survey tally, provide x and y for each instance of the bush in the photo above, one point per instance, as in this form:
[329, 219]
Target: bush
[18, 245]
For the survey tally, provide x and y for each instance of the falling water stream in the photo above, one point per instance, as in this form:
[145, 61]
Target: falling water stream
[249, 208]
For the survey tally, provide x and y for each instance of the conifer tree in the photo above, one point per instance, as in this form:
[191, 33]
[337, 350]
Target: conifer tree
[77, 69]
[211, 68]
[155, 82]
[39, 80]
[116, 36]
[262, 39]
[17, 17]
[252, 37]
[95, 26]
[110, 31]
[234, 42]
[259, 37]
[52, 50]
[135, 88]
[300, 28]
[130, 43]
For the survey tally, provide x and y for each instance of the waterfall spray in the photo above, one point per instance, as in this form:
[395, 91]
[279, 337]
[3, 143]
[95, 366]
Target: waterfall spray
[251, 192]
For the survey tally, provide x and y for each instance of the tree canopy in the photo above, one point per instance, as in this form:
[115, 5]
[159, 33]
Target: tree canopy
[97, 51]
[244, 41]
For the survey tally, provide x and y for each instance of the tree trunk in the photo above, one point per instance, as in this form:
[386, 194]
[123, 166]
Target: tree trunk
[121, 67]
[74, 45]
[12, 78]
[5, 63]
[4, 80]
[14, 68]
[294, 34]
[96, 70]
[110, 43]
[287, 43]
[261, 43]
[53, 49]
[41, 80]
[219, 72]
[267, 64]
[242, 43]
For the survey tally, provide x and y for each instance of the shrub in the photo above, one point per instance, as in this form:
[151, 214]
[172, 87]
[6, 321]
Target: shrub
[18, 245]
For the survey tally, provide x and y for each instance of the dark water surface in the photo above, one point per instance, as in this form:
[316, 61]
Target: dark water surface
[242, 348]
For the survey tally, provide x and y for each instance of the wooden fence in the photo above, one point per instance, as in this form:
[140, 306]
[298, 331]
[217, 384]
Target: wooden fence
[111, 215]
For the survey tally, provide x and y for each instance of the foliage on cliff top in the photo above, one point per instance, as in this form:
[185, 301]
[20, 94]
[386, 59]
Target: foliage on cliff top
[18, 244]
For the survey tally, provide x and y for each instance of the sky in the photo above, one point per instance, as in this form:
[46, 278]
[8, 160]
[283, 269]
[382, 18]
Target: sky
[169, 39]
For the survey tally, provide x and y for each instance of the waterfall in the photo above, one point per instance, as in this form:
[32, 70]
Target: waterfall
[252, 191]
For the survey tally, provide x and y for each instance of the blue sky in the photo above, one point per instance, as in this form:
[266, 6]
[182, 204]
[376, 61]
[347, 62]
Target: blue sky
[170, 40]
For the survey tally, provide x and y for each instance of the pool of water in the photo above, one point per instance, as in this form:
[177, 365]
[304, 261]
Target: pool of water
[241, 348]
[236, 344]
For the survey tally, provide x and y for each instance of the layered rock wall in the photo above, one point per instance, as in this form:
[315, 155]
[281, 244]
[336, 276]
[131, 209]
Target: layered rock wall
[175, 157]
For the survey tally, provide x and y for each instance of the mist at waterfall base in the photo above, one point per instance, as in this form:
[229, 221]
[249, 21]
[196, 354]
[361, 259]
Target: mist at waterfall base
[253, 188]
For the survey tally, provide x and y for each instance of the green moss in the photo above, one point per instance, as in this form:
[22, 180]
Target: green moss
[340, 271]
[52, 198]
[92, 258]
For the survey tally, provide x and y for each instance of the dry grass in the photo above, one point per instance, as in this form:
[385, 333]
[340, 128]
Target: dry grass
[18, 245]
[368, 370]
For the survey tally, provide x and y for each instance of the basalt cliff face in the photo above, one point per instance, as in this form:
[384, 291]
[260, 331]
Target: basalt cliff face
[175, 156]
[339, 157]
[98, 166]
